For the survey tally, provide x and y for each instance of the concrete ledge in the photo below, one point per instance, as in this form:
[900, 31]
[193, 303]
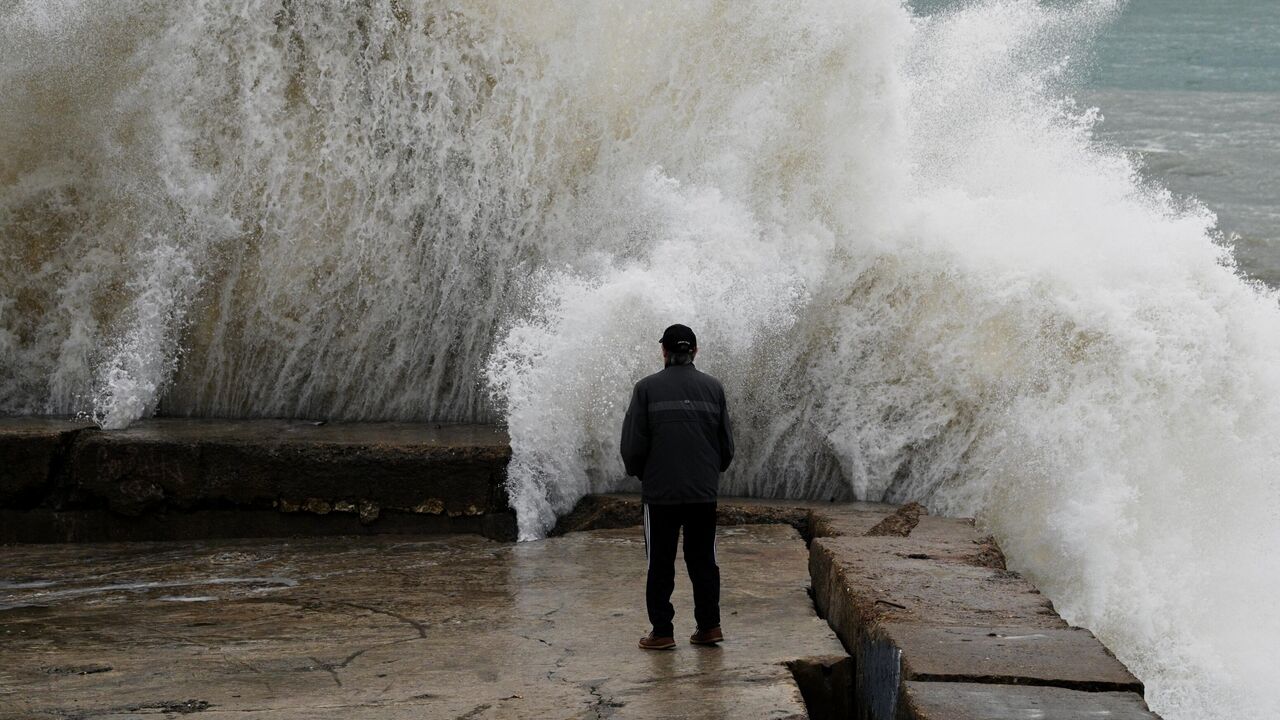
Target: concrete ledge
[181, 478]
[1066, 657]
[901, 580]
[940, 629]
[974, 701]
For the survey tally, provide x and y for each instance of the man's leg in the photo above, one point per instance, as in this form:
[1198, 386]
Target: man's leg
[661, 535]
[700, 559]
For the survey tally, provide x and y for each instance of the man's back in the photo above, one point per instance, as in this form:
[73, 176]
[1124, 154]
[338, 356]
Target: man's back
[677, 438]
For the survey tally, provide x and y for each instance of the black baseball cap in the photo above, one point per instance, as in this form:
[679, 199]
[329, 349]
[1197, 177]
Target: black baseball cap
[680, 339]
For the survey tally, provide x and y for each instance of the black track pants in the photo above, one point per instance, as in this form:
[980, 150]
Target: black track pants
[662, 525]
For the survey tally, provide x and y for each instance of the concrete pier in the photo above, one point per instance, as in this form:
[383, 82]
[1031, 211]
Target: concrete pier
[923, 620]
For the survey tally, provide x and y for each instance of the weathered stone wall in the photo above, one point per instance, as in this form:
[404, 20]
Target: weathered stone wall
[33, 454]
[62, 480]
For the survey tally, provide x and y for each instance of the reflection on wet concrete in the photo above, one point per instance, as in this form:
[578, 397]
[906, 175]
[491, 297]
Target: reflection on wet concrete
[45, 596]
[441, 626]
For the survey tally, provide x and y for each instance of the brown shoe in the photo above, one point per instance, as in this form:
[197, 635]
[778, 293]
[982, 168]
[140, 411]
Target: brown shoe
[707, 637]
[653, 642]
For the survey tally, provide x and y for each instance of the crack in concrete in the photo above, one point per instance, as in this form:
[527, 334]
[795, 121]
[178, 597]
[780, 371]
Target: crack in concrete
[419, 628]
[414, 701]
[327, 667]
[332, 668]
[182, 707]
[604, 705]
[565, 654]
[416, 625]
[347, 660]
[559, 665]
[538, 639]
[474, 712]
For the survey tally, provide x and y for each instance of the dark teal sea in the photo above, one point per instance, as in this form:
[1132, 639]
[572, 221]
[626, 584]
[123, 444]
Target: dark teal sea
[1194, 86]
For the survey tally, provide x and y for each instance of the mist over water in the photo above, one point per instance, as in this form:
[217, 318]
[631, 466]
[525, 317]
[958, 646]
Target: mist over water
[914, 268]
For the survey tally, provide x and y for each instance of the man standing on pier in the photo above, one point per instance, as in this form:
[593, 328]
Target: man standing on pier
[677, 440]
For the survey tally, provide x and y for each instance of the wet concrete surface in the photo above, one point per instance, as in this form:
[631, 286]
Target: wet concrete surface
[451, 626]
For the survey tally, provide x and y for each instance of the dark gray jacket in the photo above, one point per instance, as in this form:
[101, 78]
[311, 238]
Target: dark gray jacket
[677, 438]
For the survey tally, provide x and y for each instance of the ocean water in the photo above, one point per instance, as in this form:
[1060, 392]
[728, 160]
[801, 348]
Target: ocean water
[1194, 89]
[965, 254]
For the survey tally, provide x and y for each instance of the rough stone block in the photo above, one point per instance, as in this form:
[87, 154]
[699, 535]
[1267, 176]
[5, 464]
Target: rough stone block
[937, 605]
[1064, 657]
[186, 463]
[891, 579]
[184, 478]
[977, 701]
[31, 453]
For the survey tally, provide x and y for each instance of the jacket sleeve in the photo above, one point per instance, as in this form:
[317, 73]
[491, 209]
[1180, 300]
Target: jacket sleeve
[726, 436]
[635, 434]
